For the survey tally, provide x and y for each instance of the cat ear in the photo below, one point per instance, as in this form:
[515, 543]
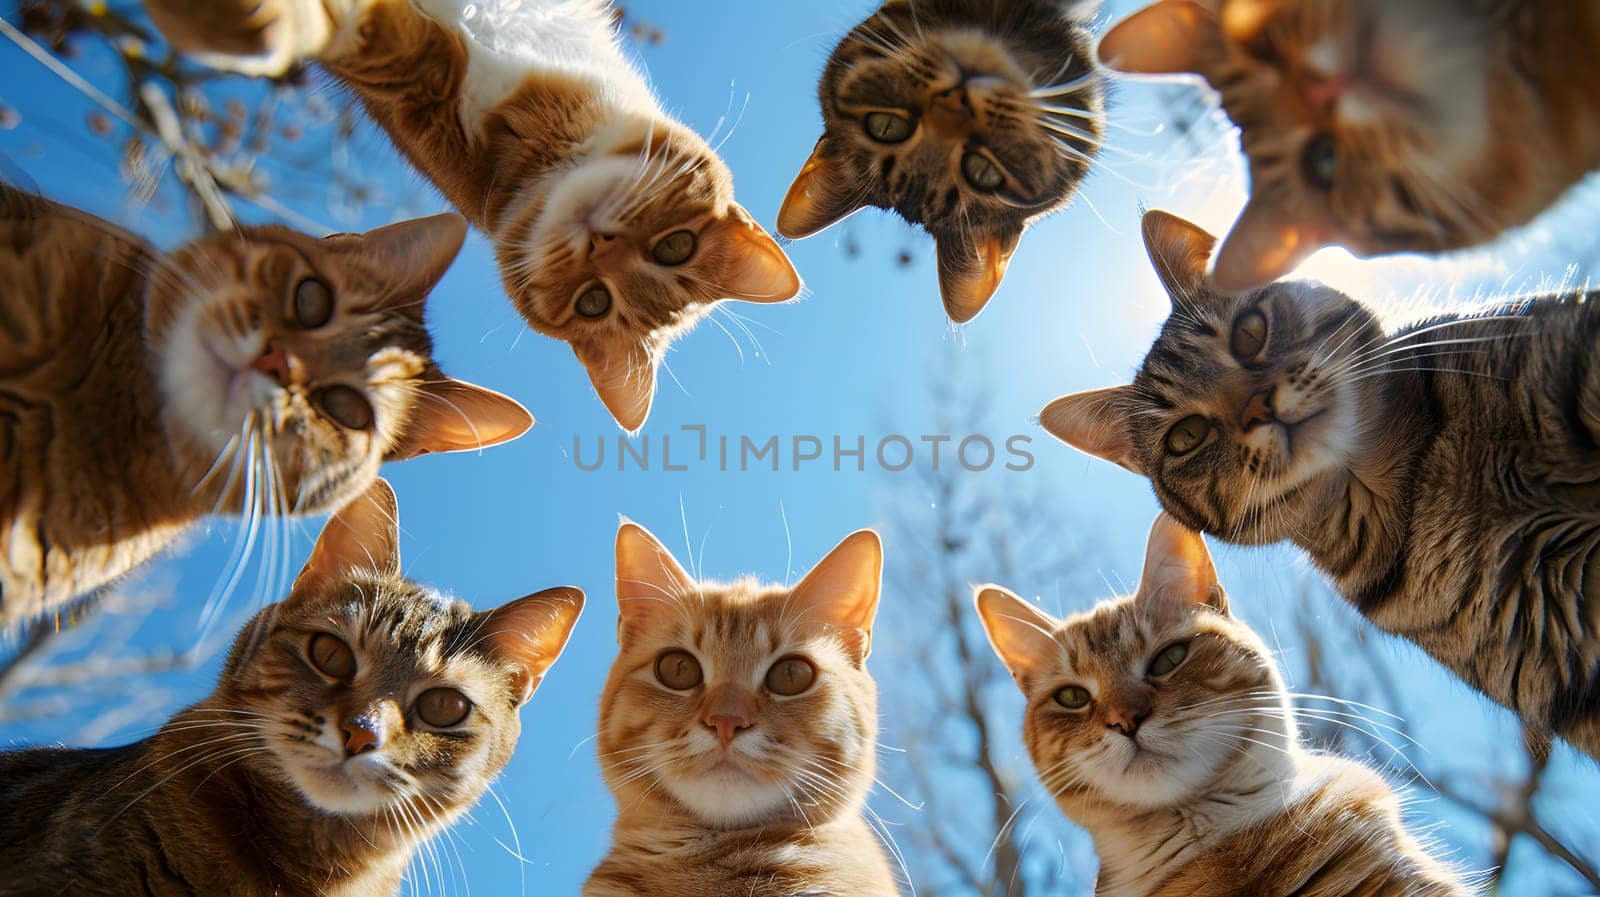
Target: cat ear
[363, 535]
[817, 199]
[650, 582]
[530, 632]
[755, 267]
[1180, 251]
[1178, 574]
[413, 255]
[1266, 243]
[970, 270]
[1095, 422]
[1021, 634]
[624, 376]
[1167, 37]
[841, 591]
[452, 415]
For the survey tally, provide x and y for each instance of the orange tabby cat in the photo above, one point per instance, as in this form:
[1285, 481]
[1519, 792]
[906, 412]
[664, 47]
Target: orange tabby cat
[259, 371]
[615, 226]
[1384, 126]
[738, 730]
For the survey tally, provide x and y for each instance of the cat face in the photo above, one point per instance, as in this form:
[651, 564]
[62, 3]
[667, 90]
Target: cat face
[1145, 701]
[302, 363]
[631, 247]
[970, 119]
[1369, 124]
[1243, 402]
[742, 704]
[373, 695]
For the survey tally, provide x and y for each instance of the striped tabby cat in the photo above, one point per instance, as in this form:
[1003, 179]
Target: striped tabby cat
[738, 730]
[256, 372]
[615, 226]
[1159, 723]
[971, 118]
[1446, 476]
[352, 722]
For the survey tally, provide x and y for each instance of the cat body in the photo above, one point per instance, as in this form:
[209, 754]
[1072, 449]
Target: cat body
[351, 722]
[1445, 476]
[1160, 724]
[141, 390]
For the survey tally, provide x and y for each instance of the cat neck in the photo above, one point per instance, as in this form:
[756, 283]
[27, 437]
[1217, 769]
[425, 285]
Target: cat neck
[665, 821]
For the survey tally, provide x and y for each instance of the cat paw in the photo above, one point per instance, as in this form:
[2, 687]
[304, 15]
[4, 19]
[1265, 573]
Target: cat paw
[251, 37]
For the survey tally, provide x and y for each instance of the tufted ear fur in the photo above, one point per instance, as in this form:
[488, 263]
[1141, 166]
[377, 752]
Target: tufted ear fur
[530, 632]
[363, 535]
[649, 580]
[818, 198]
[1094, 422]
[1178, 573]
[842, 590]
[1020, 633]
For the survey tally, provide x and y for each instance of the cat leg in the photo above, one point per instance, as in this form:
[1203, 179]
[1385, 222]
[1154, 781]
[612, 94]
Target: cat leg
[251, 37]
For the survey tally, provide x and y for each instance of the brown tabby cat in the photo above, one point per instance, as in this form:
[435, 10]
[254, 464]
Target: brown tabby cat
[738, 730]
[615, 225]
[1447, 476]
[258, 372]
[1383, 126]
[1159, 723]
[352, 722]
[969, 117]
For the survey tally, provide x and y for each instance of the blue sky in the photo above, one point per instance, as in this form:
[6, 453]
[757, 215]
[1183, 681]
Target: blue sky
[852, 358]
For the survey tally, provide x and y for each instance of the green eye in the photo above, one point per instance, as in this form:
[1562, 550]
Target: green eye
[1319, 162]
[981, 173]
[886, 127]
[1168, 658]
[675, 248]
[1072, 697]
[1187, 434]
[1249, 335]
[593, 302]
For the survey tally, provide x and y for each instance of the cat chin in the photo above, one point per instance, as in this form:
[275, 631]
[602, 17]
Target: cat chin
[728, 796]
[345, 789]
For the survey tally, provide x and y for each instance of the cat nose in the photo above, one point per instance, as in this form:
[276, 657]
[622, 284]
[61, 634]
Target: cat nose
[278, 363]
[728, 711]
[605, 246]
[361, 735]
[727, 726]
[954, 100]
[1127, 719]
[1258, 410]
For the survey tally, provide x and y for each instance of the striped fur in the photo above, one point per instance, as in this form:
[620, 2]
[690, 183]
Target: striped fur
[1191, 780]
[1445, 476]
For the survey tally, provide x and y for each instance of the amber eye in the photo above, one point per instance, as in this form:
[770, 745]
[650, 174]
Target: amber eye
[1187, 434]
[593, 302]
[678, 670]
[1319, 162]
[791, 676]
[442, 707]
[1168, 658]
[1249, 335]
[1072, 697]
[347, 407]
[331, 656]
[675, 248]
[981, 173]
[886, 127]
[313, 303]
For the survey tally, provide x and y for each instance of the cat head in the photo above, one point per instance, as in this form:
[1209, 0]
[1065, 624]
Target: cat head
[742, 704]
[1242, 403]
[375, 695]
[1146, 701]
[630, 247]
[970, 119]
[306, 360]
[1368, 124]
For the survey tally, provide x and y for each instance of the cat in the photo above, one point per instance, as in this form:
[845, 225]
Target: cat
[971, 118]
[1159, 723]
[1384, 127]
[260, 371]
[615, 226]
[351, 722]
[1445, 475]
[738, 729]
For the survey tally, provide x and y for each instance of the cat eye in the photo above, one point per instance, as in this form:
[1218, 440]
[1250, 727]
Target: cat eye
[331, 656]
[1249, 335]
[675, 248]
[313, 303]
[1187, 434]
[1168, 658]
[1320, 161]
[347, 407]
[442, 707]
[678, 670]
[981, 173]
[594, 302]
[1072, 697]
[886, 127]
[791, 676]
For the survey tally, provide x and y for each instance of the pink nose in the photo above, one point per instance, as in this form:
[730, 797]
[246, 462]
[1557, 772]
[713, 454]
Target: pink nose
[276, 362]
[605, 247]
[360, 736]
[1257, 411]
[953, 100]
[727, 726]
